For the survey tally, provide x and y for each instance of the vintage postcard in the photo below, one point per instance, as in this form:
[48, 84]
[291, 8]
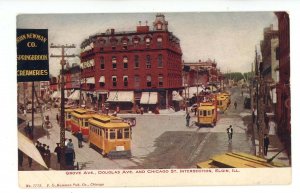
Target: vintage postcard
[153, 99]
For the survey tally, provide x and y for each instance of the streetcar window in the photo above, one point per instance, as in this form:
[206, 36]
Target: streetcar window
[112, 134]
[204, 113]
[126, 133]
[200, 112]
[106, 134]
[119, 134]
[208, 113]
[100, 131]
[86, 124]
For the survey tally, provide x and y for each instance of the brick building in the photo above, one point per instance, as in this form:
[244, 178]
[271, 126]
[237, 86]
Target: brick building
[129, 68]
[283, 109]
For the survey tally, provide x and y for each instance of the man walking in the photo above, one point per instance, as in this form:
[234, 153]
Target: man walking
[266, 144]
[188, 117]
[80, 139]
[235, 104]
[229, 133]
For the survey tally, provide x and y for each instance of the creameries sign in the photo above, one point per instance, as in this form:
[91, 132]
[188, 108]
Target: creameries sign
[32, 55]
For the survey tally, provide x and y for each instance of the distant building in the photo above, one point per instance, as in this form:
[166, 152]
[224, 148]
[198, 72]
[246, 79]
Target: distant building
[201, 73]
[130, 68]
[283, 106]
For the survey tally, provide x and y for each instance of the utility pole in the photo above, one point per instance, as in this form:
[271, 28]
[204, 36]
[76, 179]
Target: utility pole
[62, 98]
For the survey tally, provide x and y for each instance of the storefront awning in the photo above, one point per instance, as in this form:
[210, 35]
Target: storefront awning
[176, 96]
[149, 98]
[90, 80]
[102, 79]
[191, 91]
[75, 95]
[27, 147]
[121, 96]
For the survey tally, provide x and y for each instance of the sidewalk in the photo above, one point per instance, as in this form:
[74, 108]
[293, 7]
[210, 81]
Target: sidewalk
[274, 148]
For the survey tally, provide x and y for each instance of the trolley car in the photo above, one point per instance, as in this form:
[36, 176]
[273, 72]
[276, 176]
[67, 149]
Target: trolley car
[79, 121]
[68, 117]
[207, 114]
[110, 135]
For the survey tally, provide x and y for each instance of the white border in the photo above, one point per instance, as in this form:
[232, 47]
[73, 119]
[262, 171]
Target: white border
[8, 12]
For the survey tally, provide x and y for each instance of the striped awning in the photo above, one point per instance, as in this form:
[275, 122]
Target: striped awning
[121, 96]
[149, 98]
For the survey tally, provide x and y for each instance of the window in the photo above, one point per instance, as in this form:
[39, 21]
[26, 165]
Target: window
[148, 61]
[119, 134]
[112, 134]
[125, 79]
[160, 61]
[106, 134]
[136, 61]
[148, 41]
[114, 81]
[159, 26]
[126, 133]
[148, 81]
[124, 43]
[208, 113]
[200, 112]
[136, 41]
[160, 80]
[114, 62]
[102, 63]
[213, 111]
[125, 62]
[86, 123]
[204, 113]
[137, 81]
[159, 42]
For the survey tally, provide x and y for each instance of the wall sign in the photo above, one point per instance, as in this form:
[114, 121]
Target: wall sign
[32, 55]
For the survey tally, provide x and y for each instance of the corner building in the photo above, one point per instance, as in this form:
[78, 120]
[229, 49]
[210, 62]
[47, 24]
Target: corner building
[131, 69]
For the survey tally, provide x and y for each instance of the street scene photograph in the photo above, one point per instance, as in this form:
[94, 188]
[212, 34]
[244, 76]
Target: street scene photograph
[153, 91]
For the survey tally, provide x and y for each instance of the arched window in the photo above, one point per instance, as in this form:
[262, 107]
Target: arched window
[114, 62]
[125, 62]
[102, 62]
[114, 80]
[125, 80]
[136, 61]
[159, 42]
[160, 61]
[148, 61]
[149, 79]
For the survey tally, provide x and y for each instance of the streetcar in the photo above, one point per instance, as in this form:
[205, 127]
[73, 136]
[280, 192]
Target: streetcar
[222, 103]
[68, 117]
[111, 135]
[207, 114]
[79, 122]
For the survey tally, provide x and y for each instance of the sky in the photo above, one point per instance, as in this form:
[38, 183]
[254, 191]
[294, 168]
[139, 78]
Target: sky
[229, 38]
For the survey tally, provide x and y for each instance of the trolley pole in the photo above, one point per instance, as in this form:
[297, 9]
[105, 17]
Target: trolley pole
[62, 102]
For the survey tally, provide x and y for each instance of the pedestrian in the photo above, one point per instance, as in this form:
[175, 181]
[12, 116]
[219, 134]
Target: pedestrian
[70, 144]
[43, 149]
[142, 110]
[266, 144]
[57, 150]
[27, 129]
[24, 112]
[235, 104]
[230, 133]
[80, 138]
[47, 155]
[57, 118]
[20, 157]
[29, 161]
[188, 117]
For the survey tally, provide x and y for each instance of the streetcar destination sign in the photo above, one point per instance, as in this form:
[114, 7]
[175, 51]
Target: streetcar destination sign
[32, 55]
